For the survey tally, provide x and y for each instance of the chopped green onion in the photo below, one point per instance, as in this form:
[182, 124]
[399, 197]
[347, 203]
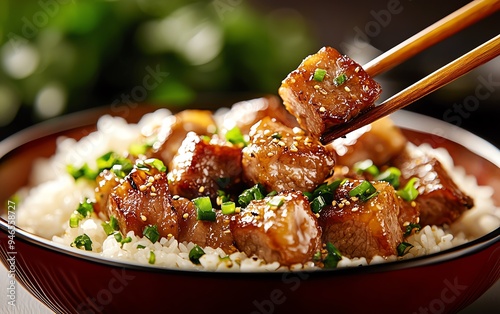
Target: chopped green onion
[366, 166]
[85, 208]
[157, 163]
[276, 201]
[235, 136]
[319, 74]
[140, 246]
[151, 232]
[254, 193]
[341, 79]
[195, 253]
[83, 241]
[277, 136]
[309, 195]
[74, 220]
[317, 256]
[390, 175]
[152, 257]
[272, 193]
[403, 248]
[409, 192]
[410, 228]
[333, 257]
[228, 208]
[83, 172]
[364, 191]
[222, 197]
[111, 226]
[317, 204]
[204, 210]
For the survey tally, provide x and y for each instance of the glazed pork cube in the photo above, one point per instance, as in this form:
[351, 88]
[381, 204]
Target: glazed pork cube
[215, 234]
[203, 166]
[328, 89]
[106, 182]
[440, 200]
[279, 228]
[281, 158]
[167, 137]
[359, 227]
[244, 114]
[143, 199]
[380, 142]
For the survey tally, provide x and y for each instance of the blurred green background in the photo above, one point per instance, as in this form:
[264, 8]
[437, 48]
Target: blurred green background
[61, 56]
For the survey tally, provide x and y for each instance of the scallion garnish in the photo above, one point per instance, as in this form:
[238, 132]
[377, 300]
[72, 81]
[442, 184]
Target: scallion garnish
[152, 257]
[151, 232]
[403, 248]
[83, 241]
[317, 204]
[156, 163]
[111, 226]
[256, 192]
[228, 208]
[235, 137]
[276, 201]
[410, 228]
[341, 79]
[390, 175]
[277, 136]
[140, 246]
[74, 220]
[319, 74]
[364, 191]
[195, 253]
[333, 257]
[85, 208]
[204, 210]
[366, 166]
[136, 149]
[409, 192]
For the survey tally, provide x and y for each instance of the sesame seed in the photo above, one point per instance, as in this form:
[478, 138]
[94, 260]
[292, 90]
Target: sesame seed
[151, 179]
[356, 69]
[334, 203]
[157, 176]
[262, 141]
[322, 91]
[413, 204]
[275, 140]
[354, 198]
[406, 223]
[169, 235]
[142, 188]
[153, 189]
[355, 209]
[317, 215]
[297, 130]
[153, 194]
[227, 231]
[322, 109]
[143, 218]
[292, 80]
[201, 189]
[341, 205]
[281, 143]
[267, 132]
[270, 154]
[378, 207]
[297, 138]
[317, 87]
[294, 148]
[237, 210]
[347, 203]
[347, 89]
[185, 216]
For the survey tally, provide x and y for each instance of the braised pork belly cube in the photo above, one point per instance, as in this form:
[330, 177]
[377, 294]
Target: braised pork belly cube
[327, 89]
[362, 228]
[244, 114]
[281, 158]
[380, 142]
[440, 200]
[143, 199]
[203, 166]
[167, 137]
[279, 228]
[215, 234]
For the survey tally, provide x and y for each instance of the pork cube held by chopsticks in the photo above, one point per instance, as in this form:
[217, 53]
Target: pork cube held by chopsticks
[328, 89]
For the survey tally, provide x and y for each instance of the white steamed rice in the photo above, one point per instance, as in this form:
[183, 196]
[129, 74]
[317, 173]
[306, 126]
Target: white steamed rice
[45, 209]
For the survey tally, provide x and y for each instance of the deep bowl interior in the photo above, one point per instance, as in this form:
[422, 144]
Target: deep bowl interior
[68, 280]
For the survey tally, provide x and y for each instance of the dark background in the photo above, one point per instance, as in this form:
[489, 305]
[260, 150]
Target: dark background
[95, 53]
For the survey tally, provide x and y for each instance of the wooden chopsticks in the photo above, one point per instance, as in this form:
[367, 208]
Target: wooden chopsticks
[428, 84]
[442, 29]
[451, 24]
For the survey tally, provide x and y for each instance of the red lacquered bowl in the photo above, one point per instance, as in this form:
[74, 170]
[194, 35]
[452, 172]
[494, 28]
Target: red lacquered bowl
[69, 280]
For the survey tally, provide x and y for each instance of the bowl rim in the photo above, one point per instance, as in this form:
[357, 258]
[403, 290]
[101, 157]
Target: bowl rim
[412, 121]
